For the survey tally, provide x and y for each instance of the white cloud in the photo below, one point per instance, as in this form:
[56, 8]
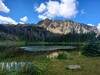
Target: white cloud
[3, 7]
[51, 9]
[41, 8]
[98, 27]
[3, 19]
[21, 23]
[24, 19]
[7, 20]
[42, 17]
[90, 24]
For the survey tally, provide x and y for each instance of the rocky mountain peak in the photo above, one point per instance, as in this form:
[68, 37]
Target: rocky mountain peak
[67, 26]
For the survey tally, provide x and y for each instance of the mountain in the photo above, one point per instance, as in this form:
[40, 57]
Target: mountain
[25, 32]
[65, 27]
[50, 31]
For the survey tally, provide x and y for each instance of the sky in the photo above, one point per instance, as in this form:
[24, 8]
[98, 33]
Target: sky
[32, 11]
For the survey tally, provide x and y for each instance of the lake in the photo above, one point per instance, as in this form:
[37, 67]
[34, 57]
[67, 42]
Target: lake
[46, 48]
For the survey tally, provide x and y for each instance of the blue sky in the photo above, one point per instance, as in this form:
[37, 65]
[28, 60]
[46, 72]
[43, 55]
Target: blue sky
[86, 11]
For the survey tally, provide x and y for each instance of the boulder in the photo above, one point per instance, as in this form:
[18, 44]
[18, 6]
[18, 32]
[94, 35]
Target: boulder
[73, 67]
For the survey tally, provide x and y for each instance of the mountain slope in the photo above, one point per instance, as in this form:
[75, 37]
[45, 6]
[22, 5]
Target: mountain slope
[65, 27]
[50, 31]
[25, 32]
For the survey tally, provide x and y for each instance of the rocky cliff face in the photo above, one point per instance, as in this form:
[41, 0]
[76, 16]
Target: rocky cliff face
[65, 27]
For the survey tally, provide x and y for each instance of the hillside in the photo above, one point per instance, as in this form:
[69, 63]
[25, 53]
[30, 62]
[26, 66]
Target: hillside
[49, 30]
[67, 26]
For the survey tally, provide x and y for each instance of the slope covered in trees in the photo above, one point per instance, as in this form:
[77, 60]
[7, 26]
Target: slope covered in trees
[49, 31]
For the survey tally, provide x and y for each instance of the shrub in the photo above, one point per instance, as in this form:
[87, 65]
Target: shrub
[3, 73]
[29, 70]
[92, 49]
[63, 55]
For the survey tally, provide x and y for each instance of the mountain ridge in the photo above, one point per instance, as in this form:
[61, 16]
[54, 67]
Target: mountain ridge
[65, 27]
[49, 30]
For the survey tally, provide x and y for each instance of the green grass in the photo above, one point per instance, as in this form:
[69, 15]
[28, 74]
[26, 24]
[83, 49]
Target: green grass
[89, 65]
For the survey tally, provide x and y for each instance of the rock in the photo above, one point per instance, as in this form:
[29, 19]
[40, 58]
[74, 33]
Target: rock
[73, 67]
[66, 27]
[53, 55]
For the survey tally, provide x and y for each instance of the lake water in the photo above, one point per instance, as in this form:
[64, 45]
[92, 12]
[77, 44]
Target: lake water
[46, 48]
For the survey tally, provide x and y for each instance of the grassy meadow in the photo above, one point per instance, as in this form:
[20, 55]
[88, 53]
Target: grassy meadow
[89, 65]
[58, 66]
[50, 66]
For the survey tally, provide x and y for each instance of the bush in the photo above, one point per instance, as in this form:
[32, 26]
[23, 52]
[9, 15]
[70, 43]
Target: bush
[92, 49]
[3, 73]
[62, 55]
[25, 70]
[29, 70]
